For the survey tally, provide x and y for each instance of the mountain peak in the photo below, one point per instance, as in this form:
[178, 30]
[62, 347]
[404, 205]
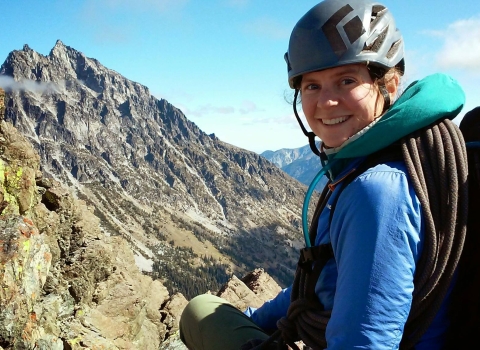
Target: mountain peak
[60, 50]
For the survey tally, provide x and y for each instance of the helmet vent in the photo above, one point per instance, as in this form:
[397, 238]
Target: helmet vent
[377, 13]
[394, 48]
[375, 46]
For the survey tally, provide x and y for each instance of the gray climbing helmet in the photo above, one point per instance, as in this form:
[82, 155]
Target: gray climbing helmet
[339, 32]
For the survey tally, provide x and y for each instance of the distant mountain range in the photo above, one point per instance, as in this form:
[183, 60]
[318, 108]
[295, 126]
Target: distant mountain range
[300, 163]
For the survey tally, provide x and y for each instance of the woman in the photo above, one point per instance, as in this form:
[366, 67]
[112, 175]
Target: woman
[383, 259]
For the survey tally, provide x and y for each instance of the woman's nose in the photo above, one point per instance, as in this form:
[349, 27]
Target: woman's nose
[327, 98]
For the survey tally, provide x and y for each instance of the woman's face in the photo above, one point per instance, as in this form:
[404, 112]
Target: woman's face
[340, 101]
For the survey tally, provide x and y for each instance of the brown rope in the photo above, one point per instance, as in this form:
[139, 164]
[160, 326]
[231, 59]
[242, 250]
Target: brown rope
[437, 165]
[443, 195]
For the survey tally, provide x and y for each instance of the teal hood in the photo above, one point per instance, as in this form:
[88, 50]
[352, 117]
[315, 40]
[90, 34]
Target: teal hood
[423, 102]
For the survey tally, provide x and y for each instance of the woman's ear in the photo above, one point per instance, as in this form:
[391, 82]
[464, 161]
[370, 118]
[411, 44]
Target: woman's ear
[392, 83]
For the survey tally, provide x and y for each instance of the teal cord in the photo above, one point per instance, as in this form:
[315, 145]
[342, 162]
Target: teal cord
[308, 197]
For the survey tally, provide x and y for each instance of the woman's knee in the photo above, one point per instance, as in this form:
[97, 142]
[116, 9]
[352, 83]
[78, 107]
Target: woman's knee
[200, 306]
[194, 315]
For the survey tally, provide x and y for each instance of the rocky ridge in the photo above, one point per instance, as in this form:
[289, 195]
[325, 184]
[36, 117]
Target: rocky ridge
[67, 285]
[151, 175]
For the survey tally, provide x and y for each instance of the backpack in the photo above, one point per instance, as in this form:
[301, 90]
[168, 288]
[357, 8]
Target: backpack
[465, 305]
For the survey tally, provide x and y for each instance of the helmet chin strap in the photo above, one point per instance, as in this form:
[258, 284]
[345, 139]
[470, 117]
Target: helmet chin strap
[386, 97]
[309, 134]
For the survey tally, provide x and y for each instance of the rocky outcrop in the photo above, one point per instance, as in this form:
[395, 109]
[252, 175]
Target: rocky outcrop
[109, 196]
[64, 283]
[252, 290]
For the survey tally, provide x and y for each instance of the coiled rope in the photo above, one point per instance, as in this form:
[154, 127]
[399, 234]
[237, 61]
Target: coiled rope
[436, 162]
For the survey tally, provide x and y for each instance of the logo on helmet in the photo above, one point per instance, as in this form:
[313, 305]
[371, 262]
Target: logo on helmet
[353, 28]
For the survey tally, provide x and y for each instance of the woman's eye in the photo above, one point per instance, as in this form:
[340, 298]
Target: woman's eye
[311, 87]
[347, 81]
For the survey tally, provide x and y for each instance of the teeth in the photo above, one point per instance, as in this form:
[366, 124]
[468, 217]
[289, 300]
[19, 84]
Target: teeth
[334, 121]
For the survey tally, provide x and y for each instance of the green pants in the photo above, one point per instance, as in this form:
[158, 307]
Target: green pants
[211, 323]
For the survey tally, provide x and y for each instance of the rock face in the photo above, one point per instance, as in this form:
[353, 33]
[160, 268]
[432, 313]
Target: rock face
[177, 195]
[64, 283]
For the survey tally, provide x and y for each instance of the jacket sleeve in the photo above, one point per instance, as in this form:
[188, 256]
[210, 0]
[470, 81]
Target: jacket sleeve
[376, 234]
[271, 311]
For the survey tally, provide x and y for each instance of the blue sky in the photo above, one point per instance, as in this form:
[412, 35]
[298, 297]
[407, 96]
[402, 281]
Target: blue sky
[221, 61]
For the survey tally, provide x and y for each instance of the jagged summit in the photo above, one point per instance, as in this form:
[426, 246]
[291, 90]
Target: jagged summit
[60, 49]
[151, 174]
[65, 65]
[59, 43]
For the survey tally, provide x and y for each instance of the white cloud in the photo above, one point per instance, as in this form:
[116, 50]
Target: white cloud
[267, 27]
[237, 3]
[288, 120]
[208, 109]
[114, 34]
[461, 47]
[101, 18]
[147, 5]
[8, 83]
[249, 107]
[433, 33]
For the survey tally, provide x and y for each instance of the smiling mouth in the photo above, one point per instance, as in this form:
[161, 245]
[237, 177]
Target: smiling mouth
[334, 121]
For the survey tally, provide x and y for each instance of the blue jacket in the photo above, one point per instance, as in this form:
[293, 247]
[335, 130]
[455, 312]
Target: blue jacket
[377, 237]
